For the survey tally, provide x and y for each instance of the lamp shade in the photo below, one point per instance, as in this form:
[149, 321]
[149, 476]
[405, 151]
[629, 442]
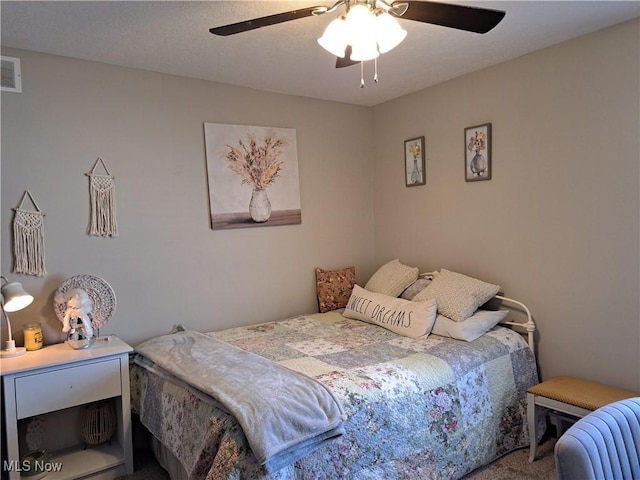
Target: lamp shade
[335, 37]
[15, 297]
[362, 26]
[389, 32]
[364, 49]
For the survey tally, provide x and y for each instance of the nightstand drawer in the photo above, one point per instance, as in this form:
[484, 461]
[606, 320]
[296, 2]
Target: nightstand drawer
[67, 387]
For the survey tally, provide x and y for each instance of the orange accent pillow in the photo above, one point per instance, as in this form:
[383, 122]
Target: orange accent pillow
[334, 287]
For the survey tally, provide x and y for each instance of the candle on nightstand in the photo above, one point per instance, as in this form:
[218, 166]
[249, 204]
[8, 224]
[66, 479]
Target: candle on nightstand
[33, 336]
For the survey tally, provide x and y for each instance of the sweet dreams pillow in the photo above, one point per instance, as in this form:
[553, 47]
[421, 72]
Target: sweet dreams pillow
[411, 319]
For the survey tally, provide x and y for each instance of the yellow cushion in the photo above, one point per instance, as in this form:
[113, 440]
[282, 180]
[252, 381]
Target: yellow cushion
[581, 393]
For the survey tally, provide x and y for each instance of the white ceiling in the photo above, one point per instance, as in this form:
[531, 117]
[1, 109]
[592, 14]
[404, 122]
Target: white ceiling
[173, 37]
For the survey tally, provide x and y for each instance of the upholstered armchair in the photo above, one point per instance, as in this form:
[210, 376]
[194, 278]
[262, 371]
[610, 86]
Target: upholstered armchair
[604, 445]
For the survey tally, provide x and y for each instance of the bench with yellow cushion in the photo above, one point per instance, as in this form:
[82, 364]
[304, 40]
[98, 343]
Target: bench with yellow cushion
[570, 396]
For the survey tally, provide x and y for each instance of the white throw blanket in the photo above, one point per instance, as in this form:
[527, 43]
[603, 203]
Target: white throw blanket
[284, 414]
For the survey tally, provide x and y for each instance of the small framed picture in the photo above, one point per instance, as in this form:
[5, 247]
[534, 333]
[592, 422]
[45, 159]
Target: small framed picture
[11, 76]
[477, 161]
[414, 173]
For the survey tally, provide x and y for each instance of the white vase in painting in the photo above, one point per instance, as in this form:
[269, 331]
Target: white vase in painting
[478, 165]
[260, 206]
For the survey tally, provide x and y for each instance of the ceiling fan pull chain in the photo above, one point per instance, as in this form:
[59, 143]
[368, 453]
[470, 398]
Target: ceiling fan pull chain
[361, 74]
[375, 70]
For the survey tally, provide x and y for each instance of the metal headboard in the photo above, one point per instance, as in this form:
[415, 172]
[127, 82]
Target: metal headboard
[529, 326]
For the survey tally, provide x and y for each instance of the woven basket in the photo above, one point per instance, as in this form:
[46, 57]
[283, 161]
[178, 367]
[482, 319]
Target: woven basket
[98, 423]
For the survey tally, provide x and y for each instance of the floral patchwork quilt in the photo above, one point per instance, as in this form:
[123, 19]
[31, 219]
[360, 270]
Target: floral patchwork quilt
[423, 408]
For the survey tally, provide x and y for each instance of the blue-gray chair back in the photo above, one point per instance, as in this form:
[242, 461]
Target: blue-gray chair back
[604, 445]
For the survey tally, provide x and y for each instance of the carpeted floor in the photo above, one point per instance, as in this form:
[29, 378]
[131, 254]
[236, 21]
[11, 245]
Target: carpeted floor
[145, 467]
[514, 466]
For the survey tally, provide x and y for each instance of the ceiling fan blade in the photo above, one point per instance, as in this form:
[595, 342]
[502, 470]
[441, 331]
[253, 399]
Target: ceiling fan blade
[471, 19]
[346, 60]
[260, 22]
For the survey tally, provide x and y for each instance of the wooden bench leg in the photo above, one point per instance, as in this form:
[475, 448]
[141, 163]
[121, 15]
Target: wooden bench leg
[533, 426]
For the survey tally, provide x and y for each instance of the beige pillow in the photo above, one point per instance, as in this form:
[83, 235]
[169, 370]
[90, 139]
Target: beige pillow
[392, 278]
[411, 319]
[457, 295]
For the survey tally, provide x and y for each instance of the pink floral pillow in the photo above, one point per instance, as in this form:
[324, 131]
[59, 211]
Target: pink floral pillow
[334, 287]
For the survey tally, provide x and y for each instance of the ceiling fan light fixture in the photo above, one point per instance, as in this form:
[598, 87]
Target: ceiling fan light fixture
[335, 37]
[360, 19]
[389, 33]
[364, 49]
[368, 31]
[362, 26]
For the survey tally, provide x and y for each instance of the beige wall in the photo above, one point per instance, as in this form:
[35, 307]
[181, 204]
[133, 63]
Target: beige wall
[167, 266]
[558, 225]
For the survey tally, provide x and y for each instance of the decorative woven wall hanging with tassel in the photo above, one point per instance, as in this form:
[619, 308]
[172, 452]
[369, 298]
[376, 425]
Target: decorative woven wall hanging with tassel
[28, 239]
[102, 193]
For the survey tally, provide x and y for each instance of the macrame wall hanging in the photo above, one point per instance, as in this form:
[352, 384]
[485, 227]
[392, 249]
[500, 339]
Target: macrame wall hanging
[102, 193]
[28, 239]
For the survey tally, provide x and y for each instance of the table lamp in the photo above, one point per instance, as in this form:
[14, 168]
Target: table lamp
[13, 298]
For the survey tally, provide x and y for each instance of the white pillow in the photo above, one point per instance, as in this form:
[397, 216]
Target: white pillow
[411, 319]
[392, 278]
[473, 327]
[457, 295]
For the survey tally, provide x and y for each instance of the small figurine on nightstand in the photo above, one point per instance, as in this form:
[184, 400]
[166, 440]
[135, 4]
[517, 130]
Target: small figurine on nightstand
[77, 319]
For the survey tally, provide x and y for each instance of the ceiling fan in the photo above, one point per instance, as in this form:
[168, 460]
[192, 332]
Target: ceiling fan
[378, 32]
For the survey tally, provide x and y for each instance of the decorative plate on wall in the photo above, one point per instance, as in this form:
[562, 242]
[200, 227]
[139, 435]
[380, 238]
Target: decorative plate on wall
[100, 292]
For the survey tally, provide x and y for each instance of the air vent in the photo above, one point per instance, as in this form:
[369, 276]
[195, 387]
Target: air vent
[11, 77]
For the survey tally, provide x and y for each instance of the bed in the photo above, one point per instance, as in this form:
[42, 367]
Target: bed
[393, 405]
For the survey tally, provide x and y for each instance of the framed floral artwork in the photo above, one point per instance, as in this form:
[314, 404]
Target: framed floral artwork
[477, 161]
[414, 163]
[253, 176]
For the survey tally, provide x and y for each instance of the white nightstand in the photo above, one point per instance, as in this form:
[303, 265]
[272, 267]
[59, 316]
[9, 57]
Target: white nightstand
[57, 377]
